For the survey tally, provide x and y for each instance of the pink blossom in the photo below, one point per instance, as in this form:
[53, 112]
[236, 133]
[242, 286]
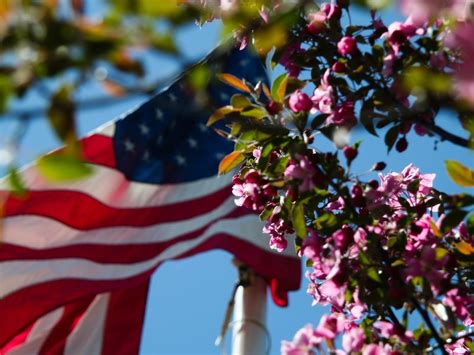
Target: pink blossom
[438, 60]
[461, 39]
[331, 10]
[252, 192]
[353, 340]
[421, 234]
[419, 128]
[424, 10]
[330, 326]
[301, 169]
[343, 115]
[388, 62]
[399, 33]
[277, 228]
[316, 22]
[287, 59]
[461, 304]
[229, 5]
[336, 205]
[302, 342]
[323, 97]
[428, 266]
[343, 238]
[347, 45]
[278, 243]
[300, 101]
[357, 308]
[464, 233]
[377, 349]
[312, 246]
[458, 347]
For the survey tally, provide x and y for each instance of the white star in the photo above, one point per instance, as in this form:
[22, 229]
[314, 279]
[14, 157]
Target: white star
[192, 142]
[144, 129]
[202, 127]
[219, 156]
[159, 114]
[180, 160]
[172, 97]
[129, 146]
[224, 96]
[244, 62]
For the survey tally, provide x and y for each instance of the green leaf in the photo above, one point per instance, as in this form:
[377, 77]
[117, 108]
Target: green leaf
[367, 117]
[459, 173]
[391, 137]
[297, 217]
[16, 183]
[254, 112]
[219, 114]
[62, 166]
[159, 8]
[267, 37]
[199, 77]
[240, 101]
[279, 88]
[61, 113]
[452, 219]
[266, 213]
[325, 220]
[230, 161]
[373, 274]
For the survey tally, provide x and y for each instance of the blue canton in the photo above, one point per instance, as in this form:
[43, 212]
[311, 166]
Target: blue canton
[166, 140]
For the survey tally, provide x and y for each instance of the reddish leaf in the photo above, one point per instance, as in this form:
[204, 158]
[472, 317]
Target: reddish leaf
[233, 81]
[230, 161]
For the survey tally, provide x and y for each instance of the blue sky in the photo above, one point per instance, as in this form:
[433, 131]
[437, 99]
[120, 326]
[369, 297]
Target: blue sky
[188, 298]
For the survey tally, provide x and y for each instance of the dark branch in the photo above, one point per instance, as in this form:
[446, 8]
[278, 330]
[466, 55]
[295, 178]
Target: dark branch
[424, 314]
[445, 135]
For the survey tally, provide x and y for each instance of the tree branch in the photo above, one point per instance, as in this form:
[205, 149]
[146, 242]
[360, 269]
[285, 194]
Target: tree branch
[445, 135]
[424, 314]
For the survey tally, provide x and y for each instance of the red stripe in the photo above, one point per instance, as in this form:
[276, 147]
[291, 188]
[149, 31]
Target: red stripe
[16, 341]
[55, 342]
[81, 211]
[98, 149]
[123, 253]
[50, 295]
[124, 322]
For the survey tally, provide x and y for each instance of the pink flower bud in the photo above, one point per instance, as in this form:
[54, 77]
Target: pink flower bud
[350, 153]
[274, 107]
[401, 145]
[347, 45]
[299, 101]
[339, 67]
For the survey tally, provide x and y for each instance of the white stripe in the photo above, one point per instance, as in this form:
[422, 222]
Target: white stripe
[112, 188]
[88, 334]
[38, 333]
[16, 275]
[39, 232]
[107, 129]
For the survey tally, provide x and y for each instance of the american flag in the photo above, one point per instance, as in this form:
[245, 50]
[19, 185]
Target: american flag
[76, 258]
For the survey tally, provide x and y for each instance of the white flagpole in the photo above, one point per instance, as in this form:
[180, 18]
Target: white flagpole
[249, 333]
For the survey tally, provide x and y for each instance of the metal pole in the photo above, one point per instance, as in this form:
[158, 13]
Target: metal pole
[249, 332]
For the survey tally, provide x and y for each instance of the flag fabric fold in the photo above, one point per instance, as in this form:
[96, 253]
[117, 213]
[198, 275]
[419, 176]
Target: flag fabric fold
[73, 253]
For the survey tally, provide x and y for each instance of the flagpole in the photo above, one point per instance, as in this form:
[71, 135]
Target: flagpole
[249, 333]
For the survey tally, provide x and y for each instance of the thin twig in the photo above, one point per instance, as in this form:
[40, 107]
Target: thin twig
[424, 314]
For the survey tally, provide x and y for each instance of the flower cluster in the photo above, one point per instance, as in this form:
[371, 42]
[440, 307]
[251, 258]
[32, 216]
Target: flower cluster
[381, 250]
[356, 268]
